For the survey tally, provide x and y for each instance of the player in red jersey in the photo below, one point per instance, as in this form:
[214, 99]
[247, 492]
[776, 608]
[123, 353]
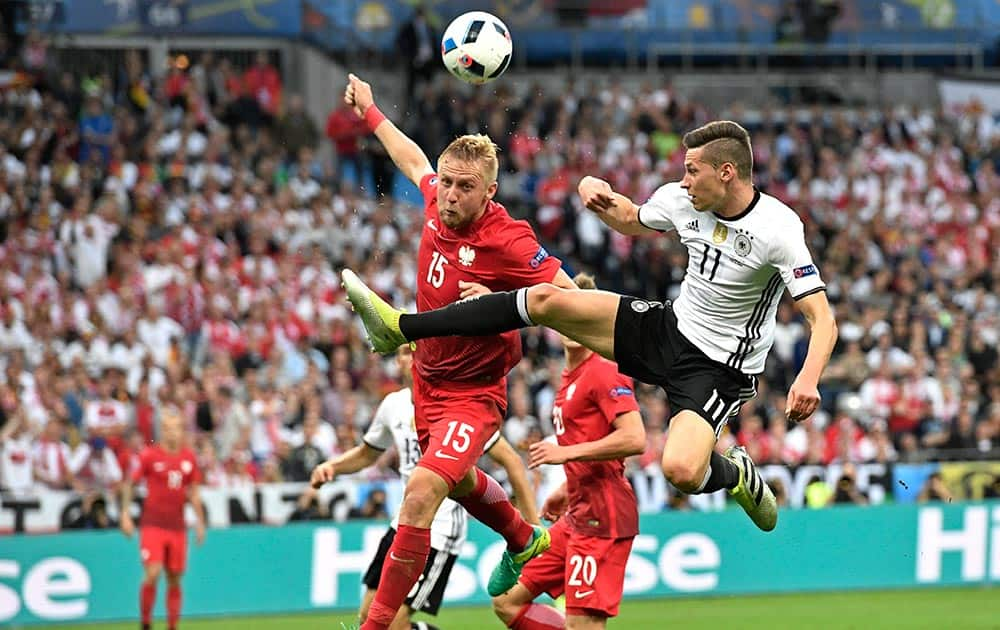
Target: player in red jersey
[597, 424]
[172, 477]
[468, 242]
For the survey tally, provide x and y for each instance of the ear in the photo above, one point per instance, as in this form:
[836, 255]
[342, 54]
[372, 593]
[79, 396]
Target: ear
[491, 190]
[727, 172]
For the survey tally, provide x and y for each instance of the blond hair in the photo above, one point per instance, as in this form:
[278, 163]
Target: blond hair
[475, 148]
[723, 141]
[584, 281]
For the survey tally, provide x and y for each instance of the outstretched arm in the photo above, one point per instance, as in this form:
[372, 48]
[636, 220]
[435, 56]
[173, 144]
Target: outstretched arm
[628, 438]
[616, 210]
[409, 158]
[505, 455]
[803, 396]
[358, 458]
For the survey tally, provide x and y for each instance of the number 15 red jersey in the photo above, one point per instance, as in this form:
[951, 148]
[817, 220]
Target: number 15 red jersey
[495, 251]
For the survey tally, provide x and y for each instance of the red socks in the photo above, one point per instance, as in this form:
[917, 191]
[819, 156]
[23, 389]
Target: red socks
[491, 506]
[401, 570]
[173, 605]
[147, 597]
[538, 617]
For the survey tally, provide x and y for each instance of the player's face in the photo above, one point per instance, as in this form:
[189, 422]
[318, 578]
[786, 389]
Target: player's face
[462, 191]
[404, 361]
[705, 183]
[172, 432]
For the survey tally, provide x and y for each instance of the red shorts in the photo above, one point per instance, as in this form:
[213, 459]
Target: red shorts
[453, 426]
[167, 547]
[589, 570]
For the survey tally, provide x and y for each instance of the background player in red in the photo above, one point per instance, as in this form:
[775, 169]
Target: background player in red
[172, 477]
[597, 424]
[459, 384]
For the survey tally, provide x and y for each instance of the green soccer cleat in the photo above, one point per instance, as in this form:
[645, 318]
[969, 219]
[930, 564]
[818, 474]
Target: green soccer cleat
[381, 320]
[752, 493]
[505, 575]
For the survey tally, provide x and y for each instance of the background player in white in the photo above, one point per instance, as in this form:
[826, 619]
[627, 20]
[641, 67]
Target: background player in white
[705, 349]
[393, 425]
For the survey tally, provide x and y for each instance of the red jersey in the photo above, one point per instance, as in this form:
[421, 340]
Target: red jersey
[168, 477]
[495, 251]
[601, 500]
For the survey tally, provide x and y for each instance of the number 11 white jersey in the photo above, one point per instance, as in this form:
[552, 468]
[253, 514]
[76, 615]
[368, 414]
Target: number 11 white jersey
[737, 269]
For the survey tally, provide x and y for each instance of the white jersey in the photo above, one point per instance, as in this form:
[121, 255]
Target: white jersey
[736, 270]
[393, 425]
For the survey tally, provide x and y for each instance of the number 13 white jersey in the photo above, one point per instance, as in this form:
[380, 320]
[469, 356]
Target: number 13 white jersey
[737, 269]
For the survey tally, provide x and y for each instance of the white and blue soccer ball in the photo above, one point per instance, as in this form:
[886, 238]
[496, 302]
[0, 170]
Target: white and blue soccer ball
[476, 47]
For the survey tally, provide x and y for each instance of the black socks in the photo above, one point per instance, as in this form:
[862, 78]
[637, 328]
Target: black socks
[489, 314]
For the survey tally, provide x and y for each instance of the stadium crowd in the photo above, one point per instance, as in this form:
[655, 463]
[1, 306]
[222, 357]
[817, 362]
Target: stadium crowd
[170, 246]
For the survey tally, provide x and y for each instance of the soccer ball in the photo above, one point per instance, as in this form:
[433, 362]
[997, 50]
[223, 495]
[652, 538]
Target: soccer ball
[476, 47]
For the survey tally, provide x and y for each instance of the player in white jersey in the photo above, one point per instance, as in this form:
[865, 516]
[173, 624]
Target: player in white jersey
[393, 426]
[705, 349]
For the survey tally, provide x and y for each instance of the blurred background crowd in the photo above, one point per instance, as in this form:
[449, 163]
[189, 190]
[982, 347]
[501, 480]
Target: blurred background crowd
[170, 246]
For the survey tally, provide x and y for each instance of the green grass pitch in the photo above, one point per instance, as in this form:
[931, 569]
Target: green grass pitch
[937, 609]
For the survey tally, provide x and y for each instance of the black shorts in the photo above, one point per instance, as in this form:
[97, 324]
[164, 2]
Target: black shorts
[649, 347]
[428, 592]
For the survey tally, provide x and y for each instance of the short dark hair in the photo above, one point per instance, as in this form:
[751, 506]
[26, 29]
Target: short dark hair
[723, 141]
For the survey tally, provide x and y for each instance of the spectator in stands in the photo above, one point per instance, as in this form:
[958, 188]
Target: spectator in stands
[373, 506]
[934, 489]
[17, 455]
[296, 129]
[96, 131]
[417, 44]
[51, 458]
[263, 83]
[308, 508]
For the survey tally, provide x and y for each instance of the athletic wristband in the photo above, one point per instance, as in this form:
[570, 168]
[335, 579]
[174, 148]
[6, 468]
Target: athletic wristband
[373, 117]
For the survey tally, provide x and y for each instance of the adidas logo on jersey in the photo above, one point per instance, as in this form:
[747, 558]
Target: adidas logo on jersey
[692, 225]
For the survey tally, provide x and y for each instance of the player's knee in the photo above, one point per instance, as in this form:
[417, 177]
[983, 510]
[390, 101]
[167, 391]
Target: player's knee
[152, 573]
[173, 579]
[684, 475]
[545, 302]
[419, 505]
[505, 609]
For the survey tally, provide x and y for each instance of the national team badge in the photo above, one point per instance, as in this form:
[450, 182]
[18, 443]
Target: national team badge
[186, 467]
[742, 245]
[720, 233]
[466, 255]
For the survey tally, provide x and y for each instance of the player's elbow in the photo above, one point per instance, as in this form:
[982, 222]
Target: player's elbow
[636, 444]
